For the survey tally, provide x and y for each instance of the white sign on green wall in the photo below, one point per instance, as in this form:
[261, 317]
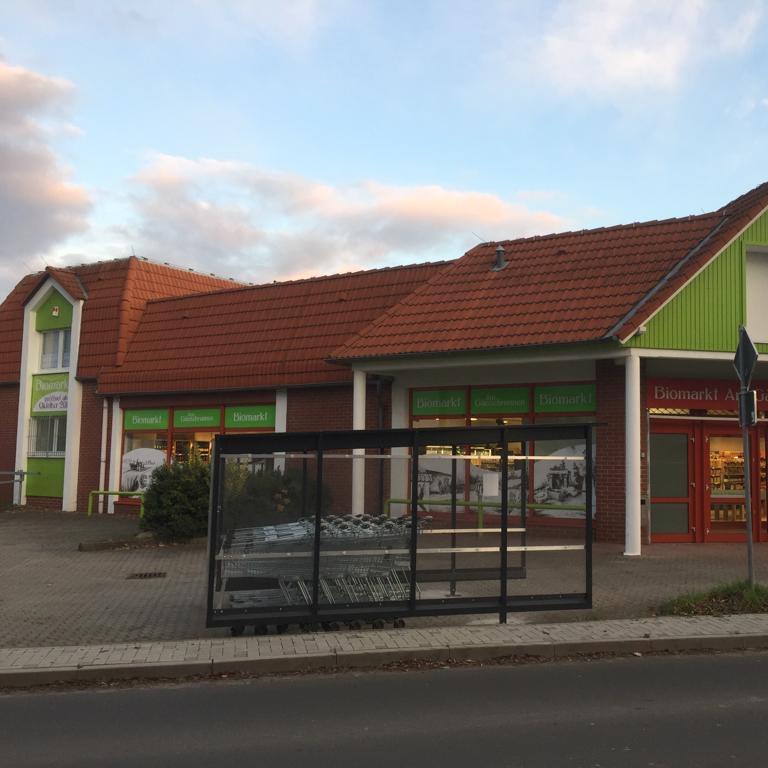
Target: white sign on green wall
[49, 393]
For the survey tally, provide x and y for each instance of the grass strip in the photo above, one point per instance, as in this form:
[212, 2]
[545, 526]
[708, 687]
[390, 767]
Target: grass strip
[724, 600]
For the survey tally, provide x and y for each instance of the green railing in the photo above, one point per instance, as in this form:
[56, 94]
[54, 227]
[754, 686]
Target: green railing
[480, 505]
[134, 494]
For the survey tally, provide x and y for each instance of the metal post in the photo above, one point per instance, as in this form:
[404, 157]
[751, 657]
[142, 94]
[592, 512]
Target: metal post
[454, 453]
[504, 525]
[588, 502]
[318, 521]
[414, 513]
[524, 504]
[748, 501]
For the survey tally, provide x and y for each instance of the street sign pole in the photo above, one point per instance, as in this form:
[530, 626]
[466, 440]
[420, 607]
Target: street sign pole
[748, 504]
[744, 363]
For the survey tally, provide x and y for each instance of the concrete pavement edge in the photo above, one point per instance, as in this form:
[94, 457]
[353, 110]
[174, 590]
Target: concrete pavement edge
[340, 660]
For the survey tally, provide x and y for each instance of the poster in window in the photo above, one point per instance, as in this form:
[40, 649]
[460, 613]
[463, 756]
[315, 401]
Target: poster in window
[138, 466]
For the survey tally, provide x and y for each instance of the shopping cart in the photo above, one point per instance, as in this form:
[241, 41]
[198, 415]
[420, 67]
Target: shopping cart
[363, 559]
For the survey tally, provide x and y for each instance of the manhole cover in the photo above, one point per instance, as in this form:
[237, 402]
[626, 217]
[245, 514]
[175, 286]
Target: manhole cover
[147, 575]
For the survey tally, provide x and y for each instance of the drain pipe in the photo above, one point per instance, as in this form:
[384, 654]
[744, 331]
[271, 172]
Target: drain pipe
[103, 456]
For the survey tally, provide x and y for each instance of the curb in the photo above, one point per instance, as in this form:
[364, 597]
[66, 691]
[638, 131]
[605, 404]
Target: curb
[336, 661]
[134, 543]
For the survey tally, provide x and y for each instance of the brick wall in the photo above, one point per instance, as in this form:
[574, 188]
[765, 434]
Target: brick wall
[90, 444]
[9, 406]
[330, 408]
[43, 503]
[198, 400]
[610, 465]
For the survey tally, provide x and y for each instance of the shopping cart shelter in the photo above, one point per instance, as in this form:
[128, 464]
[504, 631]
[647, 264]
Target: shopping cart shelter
[283, 548]
[108, 370]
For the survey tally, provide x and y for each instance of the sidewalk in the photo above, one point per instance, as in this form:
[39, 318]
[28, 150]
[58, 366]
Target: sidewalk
[26, 667]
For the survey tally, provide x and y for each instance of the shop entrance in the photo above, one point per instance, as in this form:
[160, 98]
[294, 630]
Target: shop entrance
[697, 481]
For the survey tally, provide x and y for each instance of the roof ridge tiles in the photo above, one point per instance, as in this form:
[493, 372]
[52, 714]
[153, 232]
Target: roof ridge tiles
[596, 230]
[314, 279]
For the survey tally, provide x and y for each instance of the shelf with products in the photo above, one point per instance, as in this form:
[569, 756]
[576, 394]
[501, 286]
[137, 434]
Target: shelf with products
[726, 471]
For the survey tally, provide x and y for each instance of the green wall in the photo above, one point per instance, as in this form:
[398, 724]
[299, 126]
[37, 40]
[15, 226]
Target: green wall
[44, 318]
[50, 481]
[706, 314]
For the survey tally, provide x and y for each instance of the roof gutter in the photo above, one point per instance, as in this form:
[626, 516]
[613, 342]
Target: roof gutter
[350, 361]
[613, 333]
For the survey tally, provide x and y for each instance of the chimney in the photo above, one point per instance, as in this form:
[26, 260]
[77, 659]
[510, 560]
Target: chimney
[501, 262]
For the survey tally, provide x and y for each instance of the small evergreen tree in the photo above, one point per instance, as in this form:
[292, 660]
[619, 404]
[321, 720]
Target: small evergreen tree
[176, 501]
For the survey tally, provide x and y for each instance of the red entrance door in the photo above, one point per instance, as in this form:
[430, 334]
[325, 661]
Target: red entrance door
[673, 484]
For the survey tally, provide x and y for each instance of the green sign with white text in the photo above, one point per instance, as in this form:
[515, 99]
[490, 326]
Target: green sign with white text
[439, 402]
[49, 393]
[148, 418]
[197, 418]
[250, 417]
[500, 400]
[565, 398]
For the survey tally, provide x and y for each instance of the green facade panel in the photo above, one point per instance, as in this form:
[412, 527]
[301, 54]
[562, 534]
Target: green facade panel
[48, 477]
[54, 313]
[706, 314]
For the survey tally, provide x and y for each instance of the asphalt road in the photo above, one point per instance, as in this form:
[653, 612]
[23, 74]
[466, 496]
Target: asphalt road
[649, 711]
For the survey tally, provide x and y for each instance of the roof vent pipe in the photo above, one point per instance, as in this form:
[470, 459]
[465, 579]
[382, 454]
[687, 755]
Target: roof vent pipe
[501, 262]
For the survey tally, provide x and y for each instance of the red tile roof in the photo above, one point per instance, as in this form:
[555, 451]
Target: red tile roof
[563, 288]
[115, 294]
[265, 336]
[12, 328]
[68, 280]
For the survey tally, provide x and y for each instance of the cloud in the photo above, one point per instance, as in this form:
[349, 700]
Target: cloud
[287, 24]
[611, 46]
[259, 224]
[39, 207]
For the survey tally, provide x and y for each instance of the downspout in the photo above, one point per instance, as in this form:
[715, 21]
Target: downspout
[103, 455]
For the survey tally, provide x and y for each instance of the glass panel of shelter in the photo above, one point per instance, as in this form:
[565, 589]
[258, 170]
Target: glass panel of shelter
[264, 556]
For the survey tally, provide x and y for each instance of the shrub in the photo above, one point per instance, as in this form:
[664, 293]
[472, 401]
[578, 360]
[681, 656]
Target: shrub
[267, 497]
[176, 501]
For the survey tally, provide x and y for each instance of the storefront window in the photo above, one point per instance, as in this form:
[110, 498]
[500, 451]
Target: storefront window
[486, 464]
[143, 452]
[559, 482]
[197, 443]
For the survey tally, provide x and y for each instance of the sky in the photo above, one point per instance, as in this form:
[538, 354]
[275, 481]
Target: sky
[277, 139]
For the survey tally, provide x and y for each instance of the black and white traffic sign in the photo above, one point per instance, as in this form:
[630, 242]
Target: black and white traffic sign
[746, 358]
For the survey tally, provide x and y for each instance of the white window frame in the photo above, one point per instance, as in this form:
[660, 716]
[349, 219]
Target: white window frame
[59, 422]
[755, 290]
[61, 364]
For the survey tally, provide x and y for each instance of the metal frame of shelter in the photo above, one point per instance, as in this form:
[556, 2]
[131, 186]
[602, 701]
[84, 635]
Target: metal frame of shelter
[319, 605]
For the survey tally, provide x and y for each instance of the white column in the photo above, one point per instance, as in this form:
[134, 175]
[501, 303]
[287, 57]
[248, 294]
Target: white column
[400, 470]
[281, 423]
[358, 422]
[632, 454]
[30, 352]
[74, 417]
[115, 453]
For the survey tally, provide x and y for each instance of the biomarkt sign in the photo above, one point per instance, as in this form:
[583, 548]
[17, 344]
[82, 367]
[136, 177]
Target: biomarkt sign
[700, 394]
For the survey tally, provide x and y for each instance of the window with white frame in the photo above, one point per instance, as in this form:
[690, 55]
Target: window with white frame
[55, 349]
[47, 436]
[756, 280]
